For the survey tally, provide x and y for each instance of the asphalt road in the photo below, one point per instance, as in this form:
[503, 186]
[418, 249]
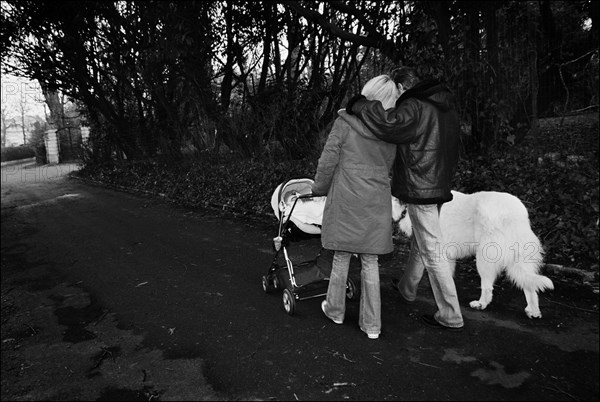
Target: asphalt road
[108, 295]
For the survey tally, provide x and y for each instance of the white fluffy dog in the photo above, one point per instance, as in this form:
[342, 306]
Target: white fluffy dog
[494, 227]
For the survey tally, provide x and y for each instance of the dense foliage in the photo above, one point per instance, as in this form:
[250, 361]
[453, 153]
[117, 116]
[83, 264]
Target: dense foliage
[167, 78]
[560, 189]
[16, 153]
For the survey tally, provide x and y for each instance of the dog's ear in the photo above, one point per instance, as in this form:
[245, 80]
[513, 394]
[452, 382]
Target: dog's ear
[398, 209]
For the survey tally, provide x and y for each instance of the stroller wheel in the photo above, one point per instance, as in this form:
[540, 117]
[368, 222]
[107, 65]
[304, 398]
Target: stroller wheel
[289, 302]
[352, 291]
[267, 286]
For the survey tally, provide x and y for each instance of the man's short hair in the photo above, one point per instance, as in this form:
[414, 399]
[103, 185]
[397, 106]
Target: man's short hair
[407, 76]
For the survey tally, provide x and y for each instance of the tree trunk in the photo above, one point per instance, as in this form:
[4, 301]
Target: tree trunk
[440, 11]
[532, 58]
[226, 84]
[4, 126]
[472, 49]
[23, 128]
[549, 48]
[492, 72]
[55, 107]
[594, 10]
[491, 29]
[270, 13]
[294, 51]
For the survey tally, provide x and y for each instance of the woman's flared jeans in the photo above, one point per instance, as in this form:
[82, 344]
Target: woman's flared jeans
[369, 316]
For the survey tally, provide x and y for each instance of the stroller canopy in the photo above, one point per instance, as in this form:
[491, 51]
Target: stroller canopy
[308, 212]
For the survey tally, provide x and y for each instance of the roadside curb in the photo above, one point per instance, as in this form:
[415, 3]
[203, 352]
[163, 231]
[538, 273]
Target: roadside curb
[18, 161]
[586, 278]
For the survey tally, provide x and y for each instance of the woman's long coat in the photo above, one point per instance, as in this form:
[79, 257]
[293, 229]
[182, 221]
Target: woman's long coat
[353, 171]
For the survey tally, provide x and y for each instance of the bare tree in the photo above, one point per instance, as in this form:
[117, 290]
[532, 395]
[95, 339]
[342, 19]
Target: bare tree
[5, 117]
[23, 108]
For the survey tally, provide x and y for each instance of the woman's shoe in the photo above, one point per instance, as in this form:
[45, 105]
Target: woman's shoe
[370, 335]
[323, 304]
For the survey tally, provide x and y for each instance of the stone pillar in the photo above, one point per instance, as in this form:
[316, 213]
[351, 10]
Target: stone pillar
[85, 135]
[51, 141]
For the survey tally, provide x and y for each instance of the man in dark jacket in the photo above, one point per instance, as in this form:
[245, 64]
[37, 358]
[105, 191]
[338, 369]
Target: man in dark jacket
[425, 126]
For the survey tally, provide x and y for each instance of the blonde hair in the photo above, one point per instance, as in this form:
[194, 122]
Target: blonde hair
[383, 89]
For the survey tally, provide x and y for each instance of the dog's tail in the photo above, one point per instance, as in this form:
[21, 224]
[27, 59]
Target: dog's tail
[524, 262]
[524, 276]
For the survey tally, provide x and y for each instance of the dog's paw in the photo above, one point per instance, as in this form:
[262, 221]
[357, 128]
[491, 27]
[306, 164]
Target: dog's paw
[475, 304]
[533, 313]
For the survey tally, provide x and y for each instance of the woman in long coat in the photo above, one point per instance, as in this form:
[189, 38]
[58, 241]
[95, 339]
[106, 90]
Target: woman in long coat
[353, 171]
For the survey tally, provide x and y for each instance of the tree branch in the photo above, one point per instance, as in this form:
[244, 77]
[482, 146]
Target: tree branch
[350, 10]
[374, 39]
[579, 58]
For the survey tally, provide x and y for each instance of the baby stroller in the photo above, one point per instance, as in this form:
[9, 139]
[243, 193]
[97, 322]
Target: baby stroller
[297, 209]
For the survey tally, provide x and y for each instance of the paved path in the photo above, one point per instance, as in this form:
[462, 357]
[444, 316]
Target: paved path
[112, 296]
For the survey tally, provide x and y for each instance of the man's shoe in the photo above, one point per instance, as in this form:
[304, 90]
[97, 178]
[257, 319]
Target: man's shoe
[430, 321]
[395, 285]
